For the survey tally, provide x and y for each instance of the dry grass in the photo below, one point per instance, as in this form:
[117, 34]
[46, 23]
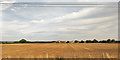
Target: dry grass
[60, 50]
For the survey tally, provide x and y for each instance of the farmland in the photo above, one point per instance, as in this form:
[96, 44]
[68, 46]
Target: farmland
[63, 50]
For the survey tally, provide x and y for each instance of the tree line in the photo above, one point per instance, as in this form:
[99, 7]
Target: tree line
[98, 41]
[76, 41]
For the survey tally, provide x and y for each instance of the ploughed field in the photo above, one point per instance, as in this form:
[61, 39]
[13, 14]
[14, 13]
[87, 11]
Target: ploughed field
[60, 50]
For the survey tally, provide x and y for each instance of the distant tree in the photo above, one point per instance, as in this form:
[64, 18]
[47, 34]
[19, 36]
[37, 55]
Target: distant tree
[103, 41]
[88, 41]
[0, 42]
[117, 41]
[95, 41]
[100, 41]
[109, 41]
[22, 41]
[16, 42]
[6, 42]
[113, 40]
[81, 41]
[76, 41]
[68, 42]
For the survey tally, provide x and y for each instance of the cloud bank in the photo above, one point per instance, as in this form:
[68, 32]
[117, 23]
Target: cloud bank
[59, 23]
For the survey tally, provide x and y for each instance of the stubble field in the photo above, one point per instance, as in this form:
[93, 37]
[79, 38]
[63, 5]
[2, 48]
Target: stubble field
[60, 50]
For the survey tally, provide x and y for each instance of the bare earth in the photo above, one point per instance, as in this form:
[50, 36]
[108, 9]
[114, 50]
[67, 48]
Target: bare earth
[63, 50]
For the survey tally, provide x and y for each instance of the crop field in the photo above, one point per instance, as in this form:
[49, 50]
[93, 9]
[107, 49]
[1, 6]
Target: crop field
[60, 50]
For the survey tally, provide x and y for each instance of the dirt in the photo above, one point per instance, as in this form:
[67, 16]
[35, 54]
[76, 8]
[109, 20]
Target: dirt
[63, 50]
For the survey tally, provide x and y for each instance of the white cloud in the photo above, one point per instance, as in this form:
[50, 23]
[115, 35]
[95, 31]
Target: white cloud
[76, 17]
[25, 5]
[6, 4]
[37, 21]
[14, 25]
[81, 13]
[98, 0]
[80, 23]
[13, 10]
[98, 20]
[105, 26]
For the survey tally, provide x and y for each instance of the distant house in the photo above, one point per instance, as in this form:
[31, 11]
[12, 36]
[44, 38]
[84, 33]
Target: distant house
[57, 41]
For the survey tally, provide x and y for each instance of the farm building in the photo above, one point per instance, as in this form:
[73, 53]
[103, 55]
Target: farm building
[57, 41]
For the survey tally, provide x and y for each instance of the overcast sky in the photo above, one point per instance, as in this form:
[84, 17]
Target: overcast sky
[51, 22]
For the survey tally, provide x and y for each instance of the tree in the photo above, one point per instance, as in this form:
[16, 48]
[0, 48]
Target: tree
[16, 42]
[100, 41]
[109, 41]
[76, 41]
[22, 41]
[113, 40]
[103, 41]
[67, 42]
[82, 41]
[6, 42]
[88, 41]
[95, 41]
[0, 42]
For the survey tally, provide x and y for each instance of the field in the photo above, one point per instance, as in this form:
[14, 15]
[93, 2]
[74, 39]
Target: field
[60, 50]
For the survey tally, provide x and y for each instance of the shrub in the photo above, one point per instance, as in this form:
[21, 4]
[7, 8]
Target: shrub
[81, 41]
[95, 41]
[109, 41]
[67, 42]
[76, 41]
[22, 41]
[88, 41]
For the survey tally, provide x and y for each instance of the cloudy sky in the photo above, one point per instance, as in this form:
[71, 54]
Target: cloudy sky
[58, 22]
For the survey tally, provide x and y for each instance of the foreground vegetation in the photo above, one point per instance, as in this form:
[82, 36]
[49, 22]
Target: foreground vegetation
[63, 50]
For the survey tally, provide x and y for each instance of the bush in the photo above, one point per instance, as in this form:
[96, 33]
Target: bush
[67, 42]
[16, 42]
[94, 41]
[23, 41]
[76, 41]
[109, 41]
[88, 41]
[81, 41]
[113, 40]
[104, 41]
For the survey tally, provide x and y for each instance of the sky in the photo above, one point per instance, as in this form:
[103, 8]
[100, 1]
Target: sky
[39, 21]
